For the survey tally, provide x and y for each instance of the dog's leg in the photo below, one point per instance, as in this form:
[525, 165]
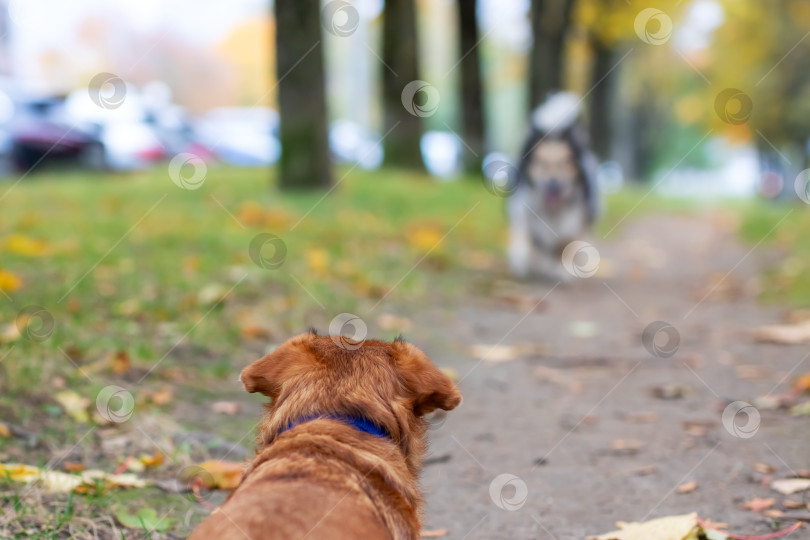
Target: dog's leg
[520, 243]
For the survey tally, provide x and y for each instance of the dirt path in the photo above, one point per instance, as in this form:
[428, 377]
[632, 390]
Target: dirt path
[567, 417]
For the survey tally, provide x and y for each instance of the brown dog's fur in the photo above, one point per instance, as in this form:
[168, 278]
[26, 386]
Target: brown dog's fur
[324, 478]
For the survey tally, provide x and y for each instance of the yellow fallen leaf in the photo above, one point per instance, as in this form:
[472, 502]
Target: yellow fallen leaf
[9, 282]
[683, 527]
[436, 533]
[424, 237]
[4, 430]
[216, 474]
[61, 482]
[154, 460]
[318, 260]
[75, 405]
[24, 245]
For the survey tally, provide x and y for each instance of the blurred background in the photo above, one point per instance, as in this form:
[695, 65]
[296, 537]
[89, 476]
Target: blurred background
[186, 184]
[203, 78]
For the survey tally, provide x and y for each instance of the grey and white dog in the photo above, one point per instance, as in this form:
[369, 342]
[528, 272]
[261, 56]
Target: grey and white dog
[555, 199]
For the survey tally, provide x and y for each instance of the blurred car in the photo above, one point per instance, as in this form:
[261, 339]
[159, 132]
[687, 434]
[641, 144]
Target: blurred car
[350, 142]
[243, 136]
[40, 129]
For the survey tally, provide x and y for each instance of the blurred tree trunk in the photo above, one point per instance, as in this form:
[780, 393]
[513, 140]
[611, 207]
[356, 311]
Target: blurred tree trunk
[472, 94]
[600, 102]
[305, 159]
[550, 20]
[400, 55]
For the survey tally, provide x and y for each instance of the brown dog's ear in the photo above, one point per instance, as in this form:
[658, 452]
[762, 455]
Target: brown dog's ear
[430, 389]
[268, 374]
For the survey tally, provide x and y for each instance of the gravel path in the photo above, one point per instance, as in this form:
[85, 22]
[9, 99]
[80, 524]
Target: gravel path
[593, 426]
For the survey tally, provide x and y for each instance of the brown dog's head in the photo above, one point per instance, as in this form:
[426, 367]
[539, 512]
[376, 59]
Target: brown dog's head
[390, 384]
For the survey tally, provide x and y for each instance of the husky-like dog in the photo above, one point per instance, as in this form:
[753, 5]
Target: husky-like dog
[555, 200]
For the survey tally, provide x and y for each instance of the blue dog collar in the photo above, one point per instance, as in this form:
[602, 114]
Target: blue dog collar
[357, 422]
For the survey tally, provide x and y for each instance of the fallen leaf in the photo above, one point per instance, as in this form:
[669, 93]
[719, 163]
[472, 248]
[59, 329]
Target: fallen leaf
[154, 460]
[758, 504]
[61, 482]
[73, 467]
[641, 418]
[121, 362]
[24, 245]
[435, 533]
[4, 430]
[145, 519]
[794, 505]
[386, 321]
[764, 468]
[162, 396]
[683, 527]
[644, 471]
[801, 409]
[784, 334]
[802, 383]
[670, 391]
[789, 486]
[494, 353]
[773, 513]
[75, 405]
[216, 474]
[627, 446]
[225, 407]
[558, 377]
[255, 332]
[698, 428]
[687, 487]
[9, 281]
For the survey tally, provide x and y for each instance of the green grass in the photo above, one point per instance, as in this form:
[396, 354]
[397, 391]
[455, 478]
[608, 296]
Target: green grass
[785, 227]
[136, 266]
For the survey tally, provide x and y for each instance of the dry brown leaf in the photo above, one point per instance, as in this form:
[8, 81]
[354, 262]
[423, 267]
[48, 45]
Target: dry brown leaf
[758, 504]
[764, 468]
[225, 407]
[121, 362]
[644, 471]
[773, 513]
[73, 467]
[255, 332]
[4, 430]
[687, 487]
[784, 334]
[435, 533]
[627, 446]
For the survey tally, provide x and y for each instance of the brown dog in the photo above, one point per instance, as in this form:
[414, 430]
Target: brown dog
[341, 445]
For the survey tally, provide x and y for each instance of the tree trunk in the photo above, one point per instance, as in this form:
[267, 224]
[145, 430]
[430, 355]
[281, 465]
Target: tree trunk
[305, 159]
[472, 100]
[550, 21]
[600, 102]
[403, 123]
